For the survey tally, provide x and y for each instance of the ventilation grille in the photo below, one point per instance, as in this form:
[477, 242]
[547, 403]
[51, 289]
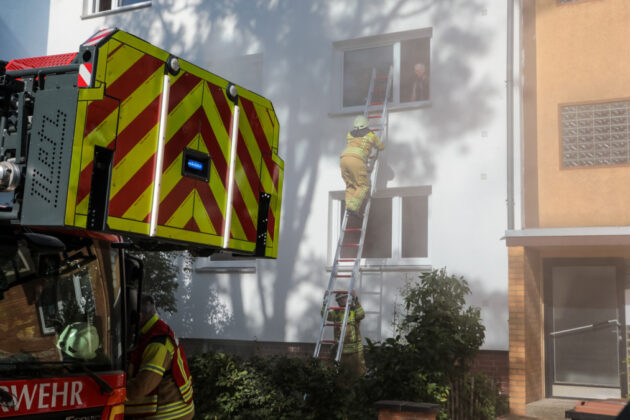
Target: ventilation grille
[48, 165]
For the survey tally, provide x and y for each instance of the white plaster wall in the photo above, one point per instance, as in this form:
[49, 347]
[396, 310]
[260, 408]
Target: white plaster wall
[457, 145]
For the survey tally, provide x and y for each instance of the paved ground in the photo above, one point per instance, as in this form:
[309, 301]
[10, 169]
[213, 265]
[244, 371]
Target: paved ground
[547, 409]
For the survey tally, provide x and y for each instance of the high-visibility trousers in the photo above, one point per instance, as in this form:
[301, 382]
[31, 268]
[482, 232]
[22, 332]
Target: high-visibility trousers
[355, 174]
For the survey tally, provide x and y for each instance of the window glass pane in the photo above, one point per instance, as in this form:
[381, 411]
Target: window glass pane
[357, 72]
[378, 238]
[130, 2]
[584, 342]
[414, 70]
[104, 5]
[414, 227]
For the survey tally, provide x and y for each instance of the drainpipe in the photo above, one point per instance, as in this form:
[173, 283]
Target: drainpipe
[509, 86]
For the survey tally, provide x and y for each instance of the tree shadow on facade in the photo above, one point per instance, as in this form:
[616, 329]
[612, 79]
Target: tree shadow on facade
[295, 39]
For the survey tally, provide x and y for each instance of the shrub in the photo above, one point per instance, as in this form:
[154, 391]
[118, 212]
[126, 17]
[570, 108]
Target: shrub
[438, 337]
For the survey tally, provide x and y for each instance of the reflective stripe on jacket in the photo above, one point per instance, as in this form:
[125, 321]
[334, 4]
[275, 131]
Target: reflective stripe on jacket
[361, 142]
[159, 334]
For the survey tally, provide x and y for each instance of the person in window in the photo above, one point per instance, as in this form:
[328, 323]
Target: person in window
[354, 164]
[420, 86]
[352, 359]
[160, 384]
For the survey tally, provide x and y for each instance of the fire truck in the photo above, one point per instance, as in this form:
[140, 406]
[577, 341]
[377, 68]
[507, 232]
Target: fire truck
[118, 140]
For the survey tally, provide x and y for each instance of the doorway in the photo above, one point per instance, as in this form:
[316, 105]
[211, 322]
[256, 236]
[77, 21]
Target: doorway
[584, 318]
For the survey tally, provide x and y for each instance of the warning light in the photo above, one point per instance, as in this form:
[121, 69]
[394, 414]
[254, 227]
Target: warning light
[196, 165]
[193, 164]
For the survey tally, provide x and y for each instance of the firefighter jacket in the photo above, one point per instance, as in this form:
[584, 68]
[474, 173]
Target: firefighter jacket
[161, 385]
[360, 143]
[352, 341]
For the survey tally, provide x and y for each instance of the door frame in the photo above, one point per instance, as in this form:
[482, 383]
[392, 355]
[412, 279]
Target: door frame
[548, 265]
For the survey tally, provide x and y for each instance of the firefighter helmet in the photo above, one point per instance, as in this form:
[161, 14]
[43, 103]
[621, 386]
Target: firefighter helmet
[79, 340]
[341, 296]
[360, 122]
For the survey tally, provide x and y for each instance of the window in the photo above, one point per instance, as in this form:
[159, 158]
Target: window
[93, 7]
[407, 53]
[397, 230]
[595, 134]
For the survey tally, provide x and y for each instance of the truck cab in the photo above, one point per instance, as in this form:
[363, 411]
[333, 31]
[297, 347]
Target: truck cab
[63, 319]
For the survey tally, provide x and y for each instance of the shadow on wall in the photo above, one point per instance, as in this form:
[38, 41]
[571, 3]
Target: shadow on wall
[295, 39]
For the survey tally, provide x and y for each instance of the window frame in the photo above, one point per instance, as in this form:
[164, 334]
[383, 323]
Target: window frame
[90, 7]
[393, 39]
[397, 194]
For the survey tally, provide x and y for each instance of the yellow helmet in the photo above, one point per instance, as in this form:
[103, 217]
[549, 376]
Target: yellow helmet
[360, 122]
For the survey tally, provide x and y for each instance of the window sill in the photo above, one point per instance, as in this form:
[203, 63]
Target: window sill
[391, 108]
[228, 267]
[131, 7]
[389, 265]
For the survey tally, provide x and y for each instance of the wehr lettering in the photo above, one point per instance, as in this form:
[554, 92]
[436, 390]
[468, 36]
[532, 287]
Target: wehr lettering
[43, 395]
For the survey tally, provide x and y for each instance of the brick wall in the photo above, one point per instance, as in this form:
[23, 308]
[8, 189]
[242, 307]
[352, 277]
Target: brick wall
[493, 363]
[534, 376]
[516, 307]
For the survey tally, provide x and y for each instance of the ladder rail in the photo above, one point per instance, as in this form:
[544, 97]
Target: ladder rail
[331, 282]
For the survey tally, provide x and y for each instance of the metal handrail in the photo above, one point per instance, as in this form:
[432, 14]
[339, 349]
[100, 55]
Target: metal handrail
[587, 327]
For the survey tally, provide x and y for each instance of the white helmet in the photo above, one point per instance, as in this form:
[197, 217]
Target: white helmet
[79, 340]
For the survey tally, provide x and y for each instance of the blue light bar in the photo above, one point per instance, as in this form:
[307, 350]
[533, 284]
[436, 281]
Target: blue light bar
[193, 164]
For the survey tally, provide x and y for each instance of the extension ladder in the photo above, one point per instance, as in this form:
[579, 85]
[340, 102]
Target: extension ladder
[376, 112]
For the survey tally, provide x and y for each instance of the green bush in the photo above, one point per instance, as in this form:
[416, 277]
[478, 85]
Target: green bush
[438, 337]
[227, 387]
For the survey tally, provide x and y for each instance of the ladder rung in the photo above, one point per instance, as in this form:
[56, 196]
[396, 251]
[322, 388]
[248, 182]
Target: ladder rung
[376, 103]
[329, 341]
[344, 276]
[371, 117]
[347, 260]
[353, 230]
[332, 324]
[349, 244]
[336, 308]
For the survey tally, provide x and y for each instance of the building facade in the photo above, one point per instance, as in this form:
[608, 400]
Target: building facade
[568, 263]
[441, 191]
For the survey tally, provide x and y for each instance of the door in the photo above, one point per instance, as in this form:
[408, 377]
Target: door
[583, 334]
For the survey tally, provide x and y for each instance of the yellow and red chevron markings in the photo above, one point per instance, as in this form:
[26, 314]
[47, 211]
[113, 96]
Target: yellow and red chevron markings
[121, 113]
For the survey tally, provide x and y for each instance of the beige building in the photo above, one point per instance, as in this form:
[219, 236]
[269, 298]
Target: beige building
[569, 264]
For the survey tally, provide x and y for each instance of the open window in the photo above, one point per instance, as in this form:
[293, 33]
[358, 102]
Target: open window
[409, 55]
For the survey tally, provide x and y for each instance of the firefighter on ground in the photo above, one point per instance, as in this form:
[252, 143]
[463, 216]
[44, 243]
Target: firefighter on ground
[352, 353]
[354, 163]
[159, 384]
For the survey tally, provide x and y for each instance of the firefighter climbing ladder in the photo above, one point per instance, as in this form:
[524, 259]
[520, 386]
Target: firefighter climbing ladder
[376, 112]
